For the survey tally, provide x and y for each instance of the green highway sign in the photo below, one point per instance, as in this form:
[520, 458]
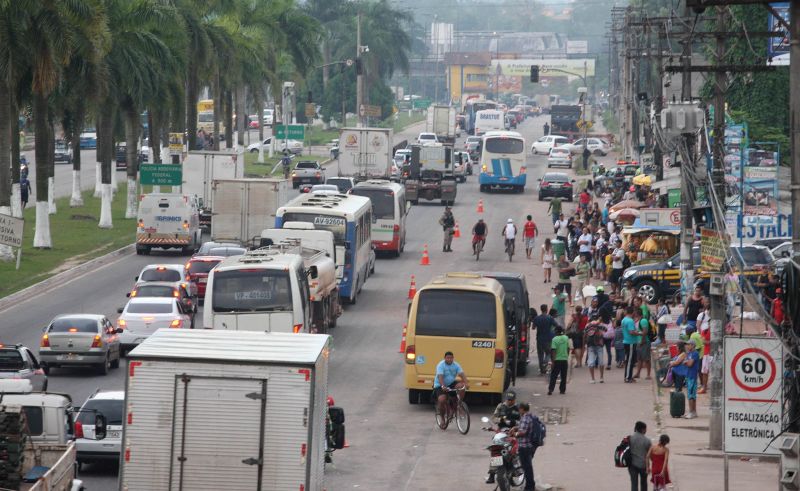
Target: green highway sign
[161, 174]
[296, 131]
[421, 103]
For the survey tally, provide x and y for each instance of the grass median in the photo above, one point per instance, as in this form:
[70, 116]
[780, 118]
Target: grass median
[76, 239]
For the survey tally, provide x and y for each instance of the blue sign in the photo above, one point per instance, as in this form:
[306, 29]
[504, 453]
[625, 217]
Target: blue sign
[779, 226]
[778, 47]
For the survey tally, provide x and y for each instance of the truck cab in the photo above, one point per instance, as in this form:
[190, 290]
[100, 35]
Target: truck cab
[49, 415]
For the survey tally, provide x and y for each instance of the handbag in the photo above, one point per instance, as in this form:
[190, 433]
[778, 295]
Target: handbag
[667, 380]
[665, 319]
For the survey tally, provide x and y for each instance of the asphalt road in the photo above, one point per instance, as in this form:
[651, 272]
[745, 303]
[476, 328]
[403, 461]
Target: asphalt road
[393, 445]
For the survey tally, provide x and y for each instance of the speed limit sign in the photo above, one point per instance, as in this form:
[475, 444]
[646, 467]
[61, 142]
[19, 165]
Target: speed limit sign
[753, 394]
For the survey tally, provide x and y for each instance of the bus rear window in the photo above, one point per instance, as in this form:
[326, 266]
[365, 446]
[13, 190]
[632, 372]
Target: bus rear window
[333, 223]
[504, 145]
[255, 290]
[456, 313]
[382, 202]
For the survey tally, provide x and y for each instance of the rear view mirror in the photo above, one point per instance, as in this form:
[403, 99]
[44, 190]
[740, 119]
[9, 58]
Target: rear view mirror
[119, 310]
[100, 425]
[128, 294]
[118, 330]
[135, 278]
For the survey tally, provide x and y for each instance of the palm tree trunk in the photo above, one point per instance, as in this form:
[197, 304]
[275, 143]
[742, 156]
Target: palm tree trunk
[260, 114]
[51, 168]
[98, 171]
[131, 138]
[6, 253]
[73, 139]
[191, 99]
[240, 114]
[228, 118]
[105, 147]
[41, 236]
[326, 58]
[217, 111]
[16, 198]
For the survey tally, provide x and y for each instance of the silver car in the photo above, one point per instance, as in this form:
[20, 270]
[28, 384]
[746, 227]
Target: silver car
[18, 362]
[143, 315]
[111, 405]
[80, 340]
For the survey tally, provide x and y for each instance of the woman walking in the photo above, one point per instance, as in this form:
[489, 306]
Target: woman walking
[548, 258]
[658, 463]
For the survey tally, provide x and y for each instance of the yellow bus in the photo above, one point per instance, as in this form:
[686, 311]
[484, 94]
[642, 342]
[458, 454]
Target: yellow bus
[205, 116]
[463, 313]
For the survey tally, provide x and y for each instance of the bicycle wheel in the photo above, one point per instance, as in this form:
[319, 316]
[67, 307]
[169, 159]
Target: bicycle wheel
[462, 418]
[441, 419]
[478, 249]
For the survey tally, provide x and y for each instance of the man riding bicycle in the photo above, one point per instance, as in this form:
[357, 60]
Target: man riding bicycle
[510, 234]
[286, 162]
[447, 372]
[479, 232]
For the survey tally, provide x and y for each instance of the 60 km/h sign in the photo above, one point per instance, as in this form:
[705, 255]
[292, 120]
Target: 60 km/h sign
[753, 394]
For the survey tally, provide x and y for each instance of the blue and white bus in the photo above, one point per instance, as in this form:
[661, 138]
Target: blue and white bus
[502, 161]
[349, 217]
[471, 112]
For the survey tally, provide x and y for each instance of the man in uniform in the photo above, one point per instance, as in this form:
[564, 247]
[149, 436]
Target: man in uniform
[447, 222]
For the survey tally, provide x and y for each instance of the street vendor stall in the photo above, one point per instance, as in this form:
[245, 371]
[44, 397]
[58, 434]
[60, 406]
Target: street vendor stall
[650, 244]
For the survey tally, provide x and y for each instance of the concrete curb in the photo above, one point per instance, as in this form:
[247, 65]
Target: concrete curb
[63, 277]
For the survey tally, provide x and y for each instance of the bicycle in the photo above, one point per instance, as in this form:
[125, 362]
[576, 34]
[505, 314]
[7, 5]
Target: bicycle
[510, 248]
[478, 248]
[454, 409]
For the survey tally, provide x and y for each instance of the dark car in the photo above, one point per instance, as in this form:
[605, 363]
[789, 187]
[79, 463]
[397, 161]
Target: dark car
[205, 249]
[554, 184]
[517, 289]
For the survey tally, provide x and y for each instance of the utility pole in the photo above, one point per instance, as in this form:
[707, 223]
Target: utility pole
[658, 104]
[359, 72]
[687, 193]
[794, 117]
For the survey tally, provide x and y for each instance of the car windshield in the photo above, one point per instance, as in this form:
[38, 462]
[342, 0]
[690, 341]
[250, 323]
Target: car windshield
[149, 308]
[110, 408]
[342, 184]
[752, 255]
[382, 202]
[158, 274]
[559, 151]
[154, 291]
[475, 316]
[427, 137]
[555, 178]
[207, 246]
[226, 251]
[252, 290]
[73, 324]
[504, 145]
[204, 266]
[306, 165]
[11, 360]
[205, 117]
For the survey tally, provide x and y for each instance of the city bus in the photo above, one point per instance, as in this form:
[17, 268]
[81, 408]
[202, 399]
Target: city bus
[388, 213]
[349, 217]
[502, 161]
[489, 120]
[471, 112]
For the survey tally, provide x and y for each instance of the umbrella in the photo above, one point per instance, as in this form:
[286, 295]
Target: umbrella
[628, 203]
[642, 180]
[625, 214]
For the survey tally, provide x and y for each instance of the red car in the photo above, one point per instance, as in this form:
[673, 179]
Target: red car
[197, 270]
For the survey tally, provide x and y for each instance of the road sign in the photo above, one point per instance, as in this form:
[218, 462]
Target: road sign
[372, 111]
[753, 394]
[421, 103]
[311, 110]
[175, 143]
[296, 131]
[161, 174]
[11, 230]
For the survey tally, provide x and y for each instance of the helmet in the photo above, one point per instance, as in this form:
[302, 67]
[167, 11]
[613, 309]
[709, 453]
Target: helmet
[499, 438]
[330, 401]
[510, 221]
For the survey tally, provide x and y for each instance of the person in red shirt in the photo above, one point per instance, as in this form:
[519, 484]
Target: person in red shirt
[529, 233]
[585, 199]
[777, 308]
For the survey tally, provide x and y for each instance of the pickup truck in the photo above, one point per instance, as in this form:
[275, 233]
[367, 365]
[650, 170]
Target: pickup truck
[307, 172]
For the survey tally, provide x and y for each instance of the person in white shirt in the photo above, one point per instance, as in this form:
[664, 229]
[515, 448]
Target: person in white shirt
[616, 265]
[585, 244]
[510, 234]
[562, 228]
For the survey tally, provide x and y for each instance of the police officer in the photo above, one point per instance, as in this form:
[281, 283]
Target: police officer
[447, 222]
[506, 416]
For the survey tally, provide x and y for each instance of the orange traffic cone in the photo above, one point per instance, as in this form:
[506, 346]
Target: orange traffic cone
[412, 289]
[403, 340]
[480, 206]
[426, 260]
[456, 232]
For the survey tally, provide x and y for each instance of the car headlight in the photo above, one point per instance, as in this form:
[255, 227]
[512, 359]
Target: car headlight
[628, 273]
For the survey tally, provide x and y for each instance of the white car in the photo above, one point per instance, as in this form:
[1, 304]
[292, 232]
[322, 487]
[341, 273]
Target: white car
[294, 146]
[597, 146]
[559, 157]
[111, 405]
[425, 137]
[268, 117]
[545, 143]
[324, 189]
[172, 273]
[462, 170]
[142, 316]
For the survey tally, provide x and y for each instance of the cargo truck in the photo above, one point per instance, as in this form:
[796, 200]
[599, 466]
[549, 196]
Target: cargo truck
[365, 153]
[442, 122]
[430, 175]
[564, 119]
[245, 207]
[202, 168]
[209, 410]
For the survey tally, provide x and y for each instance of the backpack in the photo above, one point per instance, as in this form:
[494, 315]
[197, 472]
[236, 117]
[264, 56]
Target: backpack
[538, 432]
[622, 455]
[626, 262]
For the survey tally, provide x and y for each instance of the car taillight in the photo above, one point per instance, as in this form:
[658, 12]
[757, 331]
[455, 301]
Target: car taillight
[175, 293]
[396, 229]
[97, 343]
[567, 184]
[185, 224]
[133, 293]
[545, 184]
[141, 223]
[499, 356]
[121, 323]
[297, 328]
[411, 354]
[78, 429]
[45, 341]
[176, 323]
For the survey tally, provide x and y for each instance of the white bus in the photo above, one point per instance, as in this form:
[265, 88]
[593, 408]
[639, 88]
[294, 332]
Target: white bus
[388, 213]
[502, 161]
[489, 120]
[349, 217]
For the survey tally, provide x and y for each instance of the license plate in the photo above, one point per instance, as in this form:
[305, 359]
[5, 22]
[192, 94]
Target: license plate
[202, 280]
[496, 461]
[114, 434]
[70, 356]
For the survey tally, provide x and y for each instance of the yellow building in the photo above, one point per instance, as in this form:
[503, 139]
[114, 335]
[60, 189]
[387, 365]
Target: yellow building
[467, 73]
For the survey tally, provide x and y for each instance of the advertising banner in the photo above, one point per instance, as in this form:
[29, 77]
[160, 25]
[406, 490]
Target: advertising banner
[760, 182]
[578, 67]
[712, 250]
[778, 47]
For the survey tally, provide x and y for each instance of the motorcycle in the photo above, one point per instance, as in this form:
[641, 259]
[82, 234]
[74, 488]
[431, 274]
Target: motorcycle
[504, 459]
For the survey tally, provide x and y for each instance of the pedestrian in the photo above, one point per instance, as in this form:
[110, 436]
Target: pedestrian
[619, 343]
[643, 348]
[694, 304]
[600, 253]
[559, 304]
[548, 258]
[630, 338]
[527, 447]
[584, 200]
[617, 258]
[679, 368]
[703, 342]
[608, 340]
[658, 464]
[559, 354]
[546, 129]
[561, 228]
[586, 154]
[582, 275]
[594, 341]
[447, 222]
[554, 208]
[565, 272]
[585, 243]
[663, 318]
[575, 332]
[692, 363]
[529, 233]
[777, 308]
[545, 326]
[640, 447]
[24, 191]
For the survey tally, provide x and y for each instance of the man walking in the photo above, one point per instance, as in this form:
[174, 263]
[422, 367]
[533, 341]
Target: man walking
[631, 336]
[555, 209]
[546, 129]
[529, 233]
[559, 352]
[545, 326]
[527, 446]
[637, 468]
[447, 222]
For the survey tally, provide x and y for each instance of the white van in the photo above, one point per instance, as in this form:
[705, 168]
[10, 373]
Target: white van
[168, 221]
[263, 290]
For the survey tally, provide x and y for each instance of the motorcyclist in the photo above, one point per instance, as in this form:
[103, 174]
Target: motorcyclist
[479, 232]
[506, 416]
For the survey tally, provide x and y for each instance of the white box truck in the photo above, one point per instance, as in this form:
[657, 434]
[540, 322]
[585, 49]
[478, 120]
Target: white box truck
[211, 410]
[365, 153]
[442, 122]
[168, 221]
[202, 168]
[245, 207]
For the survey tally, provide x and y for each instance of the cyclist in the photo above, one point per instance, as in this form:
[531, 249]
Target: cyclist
[286, 161]
[447, 372]
[510, 234]
[479, 232]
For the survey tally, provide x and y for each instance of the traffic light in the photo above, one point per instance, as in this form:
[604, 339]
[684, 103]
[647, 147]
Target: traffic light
[535, 73]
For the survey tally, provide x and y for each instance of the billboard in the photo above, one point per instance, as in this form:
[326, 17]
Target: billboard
[577, 67]
[577, 47]
[760, 182]
[778, 47]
